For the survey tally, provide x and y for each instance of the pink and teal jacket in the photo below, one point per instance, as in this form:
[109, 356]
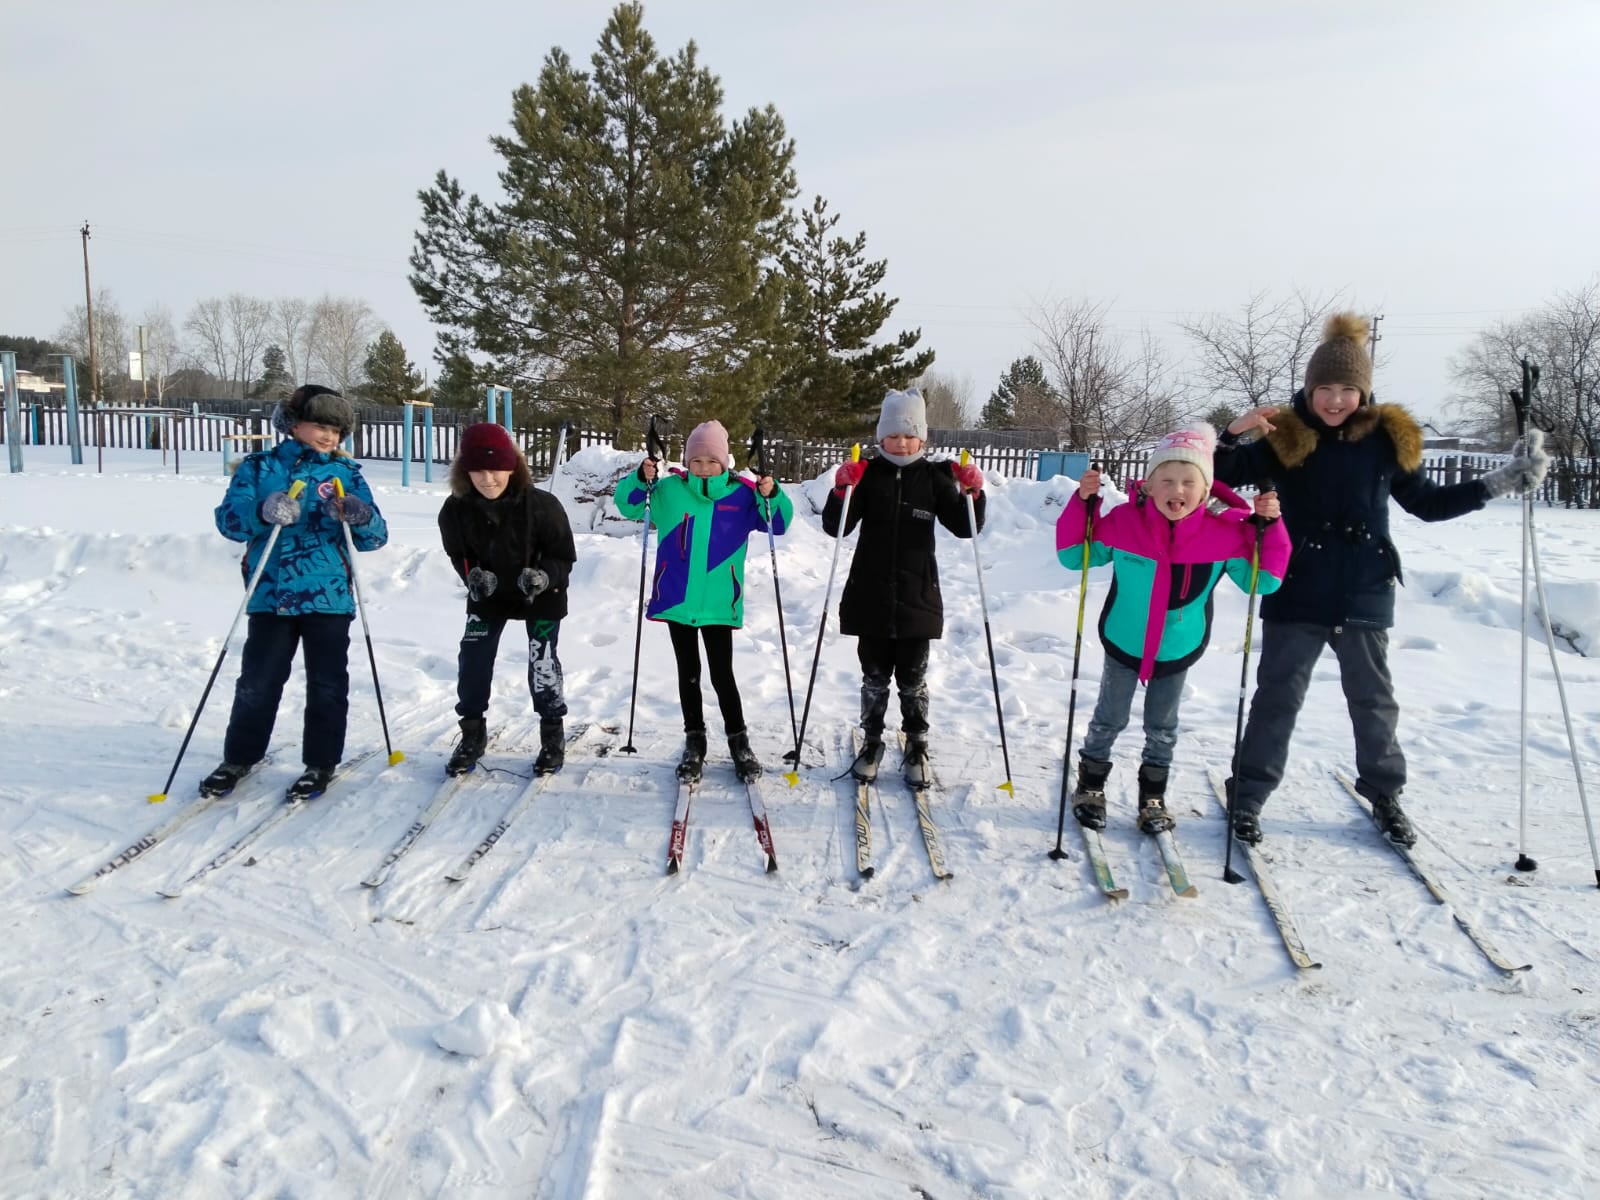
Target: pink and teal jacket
[1157, 619]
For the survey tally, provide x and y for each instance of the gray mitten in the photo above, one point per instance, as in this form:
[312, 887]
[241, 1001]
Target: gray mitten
[532, 581]
[280, 508]
[1526, 470]
[481, 583]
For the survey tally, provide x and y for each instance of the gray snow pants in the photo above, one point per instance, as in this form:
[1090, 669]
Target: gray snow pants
[1289, 653]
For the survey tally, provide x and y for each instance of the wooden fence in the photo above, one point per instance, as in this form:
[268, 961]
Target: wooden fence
[380, 434]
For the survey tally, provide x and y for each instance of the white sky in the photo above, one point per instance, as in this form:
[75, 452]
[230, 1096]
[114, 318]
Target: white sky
[1435, 160]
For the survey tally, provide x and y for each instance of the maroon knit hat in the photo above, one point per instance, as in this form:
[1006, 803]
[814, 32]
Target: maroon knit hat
[486, 447]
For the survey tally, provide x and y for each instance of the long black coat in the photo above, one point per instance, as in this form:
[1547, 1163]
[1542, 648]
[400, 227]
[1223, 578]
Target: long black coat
[1335, 486]
[893, 589]
[528, 528]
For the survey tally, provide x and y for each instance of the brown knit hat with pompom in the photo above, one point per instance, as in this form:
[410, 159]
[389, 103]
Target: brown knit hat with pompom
[1342, 357]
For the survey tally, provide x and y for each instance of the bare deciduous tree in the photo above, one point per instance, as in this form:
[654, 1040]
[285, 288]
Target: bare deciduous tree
[341, 329]
[230, 333]
[163, 355]
[1257, 356]
[292, 332]
[110, 346]
[948, 397]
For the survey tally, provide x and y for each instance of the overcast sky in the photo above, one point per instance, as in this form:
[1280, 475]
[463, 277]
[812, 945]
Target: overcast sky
[1438, 162]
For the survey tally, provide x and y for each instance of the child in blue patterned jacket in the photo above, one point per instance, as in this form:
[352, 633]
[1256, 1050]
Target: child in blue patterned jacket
[304, 595]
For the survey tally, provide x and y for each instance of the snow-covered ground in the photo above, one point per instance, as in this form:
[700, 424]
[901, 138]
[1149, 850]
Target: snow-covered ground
[572, 1023]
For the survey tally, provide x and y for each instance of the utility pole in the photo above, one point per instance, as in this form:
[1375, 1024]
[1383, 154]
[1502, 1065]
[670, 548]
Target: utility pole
[88, 311]
[1373, 338]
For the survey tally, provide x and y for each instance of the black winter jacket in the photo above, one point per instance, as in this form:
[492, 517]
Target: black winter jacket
[523, 529]
[893, 589]
[1335, 486]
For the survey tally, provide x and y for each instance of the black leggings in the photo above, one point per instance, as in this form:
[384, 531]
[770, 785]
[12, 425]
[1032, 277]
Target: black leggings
[719, 660]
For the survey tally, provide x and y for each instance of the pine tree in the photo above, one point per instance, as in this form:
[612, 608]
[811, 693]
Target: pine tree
[1022, 386]
[460, 383]
[391, 379]
[275, 382]
[630, 264]
[835, 378]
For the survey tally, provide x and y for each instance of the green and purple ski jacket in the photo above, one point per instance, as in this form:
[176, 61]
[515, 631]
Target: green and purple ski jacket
[703, 526]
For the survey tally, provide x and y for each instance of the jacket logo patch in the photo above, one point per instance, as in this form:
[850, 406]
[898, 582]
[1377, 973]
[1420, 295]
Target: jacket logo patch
[325, 489]
[727, 508]
[921, 514]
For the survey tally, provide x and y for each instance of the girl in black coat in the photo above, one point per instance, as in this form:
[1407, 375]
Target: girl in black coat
[512, 546]
[891, 601]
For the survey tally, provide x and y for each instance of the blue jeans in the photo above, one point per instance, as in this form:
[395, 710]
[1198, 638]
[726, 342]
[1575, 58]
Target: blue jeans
[1162, 696]
[269, 648]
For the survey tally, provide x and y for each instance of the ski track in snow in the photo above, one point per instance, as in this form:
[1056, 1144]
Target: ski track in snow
[723, 1032]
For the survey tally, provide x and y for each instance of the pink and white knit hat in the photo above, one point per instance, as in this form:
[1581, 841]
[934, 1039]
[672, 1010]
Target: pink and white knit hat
[1195, 444]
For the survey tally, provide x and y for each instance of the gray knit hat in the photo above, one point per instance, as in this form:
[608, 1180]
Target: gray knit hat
[903, 412]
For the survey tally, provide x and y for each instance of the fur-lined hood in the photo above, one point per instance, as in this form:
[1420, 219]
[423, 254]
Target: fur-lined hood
[461, 479]
[1293, 438]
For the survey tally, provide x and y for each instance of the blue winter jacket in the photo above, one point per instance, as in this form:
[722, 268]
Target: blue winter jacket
[308, 572]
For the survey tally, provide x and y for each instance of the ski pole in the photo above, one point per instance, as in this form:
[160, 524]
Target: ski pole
[758, 463]
[558, 455]
[994, 676]
[653, 452]
[366, 631]
[1229, 875]
[1077, 654]
[793, 776]
[1520, 400]
[295, 489]
[1531, 382]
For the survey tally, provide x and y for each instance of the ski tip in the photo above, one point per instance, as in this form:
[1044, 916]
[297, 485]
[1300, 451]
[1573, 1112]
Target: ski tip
[866, 872]
[792, 778]
[672, 866]
[1008, 788]
[156, 797]
[396, 756]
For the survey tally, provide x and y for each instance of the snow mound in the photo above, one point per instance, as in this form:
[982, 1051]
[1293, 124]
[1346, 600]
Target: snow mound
[479, 1029]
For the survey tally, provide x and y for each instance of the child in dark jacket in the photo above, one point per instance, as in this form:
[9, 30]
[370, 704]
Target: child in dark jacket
[704, 517]
[511, 544]
[1337, 458]
[891, 601]
[303, 598]
[1168, 549]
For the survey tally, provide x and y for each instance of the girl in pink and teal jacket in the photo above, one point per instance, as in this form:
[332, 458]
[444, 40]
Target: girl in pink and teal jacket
[1168, 552]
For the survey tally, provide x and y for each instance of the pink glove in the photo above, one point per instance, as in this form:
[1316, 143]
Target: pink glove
[970, 477]
[849, 474]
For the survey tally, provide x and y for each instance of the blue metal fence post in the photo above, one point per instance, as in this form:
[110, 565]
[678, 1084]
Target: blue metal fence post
[491, 394]
[427, 441]
[506, 392]
[405, 447]
[69, 380]
[8, 372]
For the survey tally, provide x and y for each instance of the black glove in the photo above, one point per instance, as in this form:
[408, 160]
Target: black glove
[481, 584]
[280, 508]
[532, 581]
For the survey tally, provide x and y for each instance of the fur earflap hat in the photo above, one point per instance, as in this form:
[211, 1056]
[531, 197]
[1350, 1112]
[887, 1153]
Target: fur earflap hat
[1196, 445]
[903, 412]
[1342, 357]
[707, 440]
[315, 403]
[487, 447]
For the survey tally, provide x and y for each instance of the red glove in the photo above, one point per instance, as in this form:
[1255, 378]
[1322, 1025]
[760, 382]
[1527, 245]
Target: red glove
[849, 474]
[970, 477]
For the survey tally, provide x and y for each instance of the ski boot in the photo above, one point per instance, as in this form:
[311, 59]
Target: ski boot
[865, 767]
[474, 740]
[745, 763]
[693, 761]
[1393, 821]
[552, 747]
[1089, 800]
[311, 784]
[914, 767]
[225, 778]
[1247, 826]
[1153, 815]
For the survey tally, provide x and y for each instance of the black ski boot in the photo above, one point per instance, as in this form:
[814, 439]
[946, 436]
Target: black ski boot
[865, 767]
[474, 740]
[745, 763]
[1247, 826]
[693, 761]
[225, 778]
[1089, 800]
[1153, 815]
[552, 747]
[915, 767]
[311, 784]
[1393, 821]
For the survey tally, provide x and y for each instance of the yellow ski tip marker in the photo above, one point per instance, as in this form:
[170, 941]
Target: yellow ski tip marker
[156, 797]
[1008, 788]
[396, 756]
